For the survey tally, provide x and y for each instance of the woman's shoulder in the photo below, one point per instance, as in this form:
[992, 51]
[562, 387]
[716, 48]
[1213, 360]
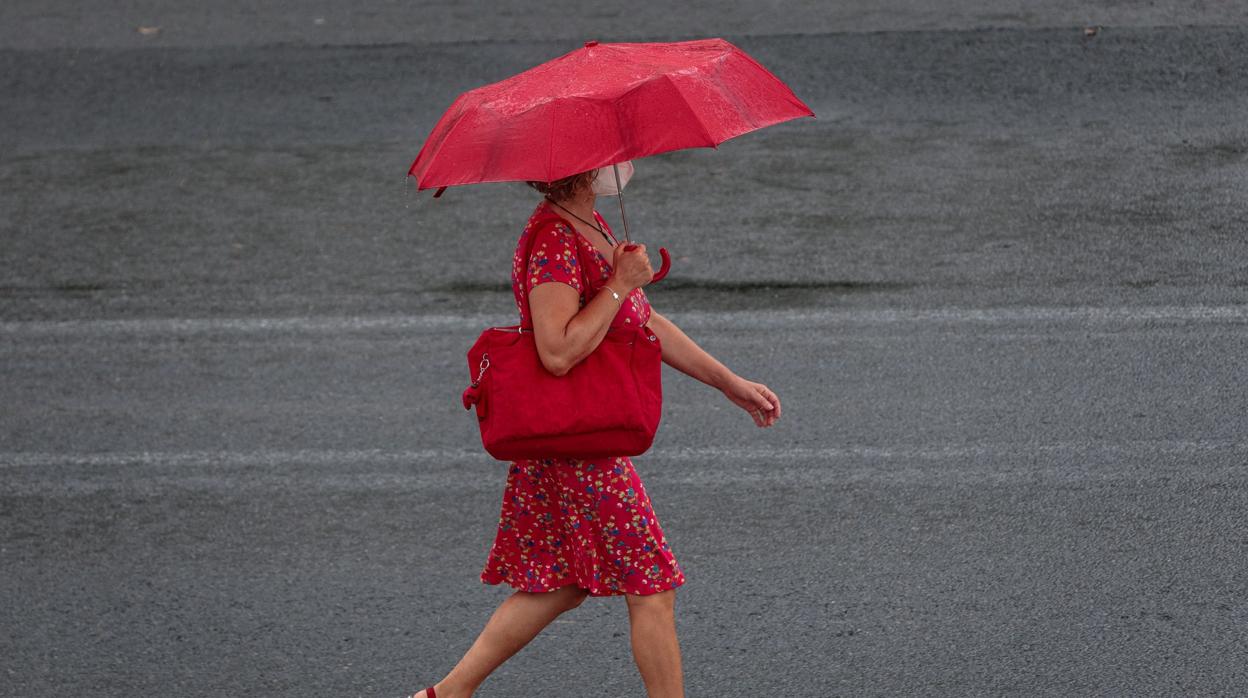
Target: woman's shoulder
[544, 218]
[544, 233]
[545, 228]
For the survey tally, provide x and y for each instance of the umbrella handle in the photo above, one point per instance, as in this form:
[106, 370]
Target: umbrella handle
[665, 267]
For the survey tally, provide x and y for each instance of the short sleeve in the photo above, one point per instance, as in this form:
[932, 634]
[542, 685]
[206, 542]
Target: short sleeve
[554, 258]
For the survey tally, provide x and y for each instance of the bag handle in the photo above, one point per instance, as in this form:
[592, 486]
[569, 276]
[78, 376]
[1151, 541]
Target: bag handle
[538, 225]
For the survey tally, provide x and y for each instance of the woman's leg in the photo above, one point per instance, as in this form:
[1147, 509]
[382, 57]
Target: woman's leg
[518, 619]
[655, 649]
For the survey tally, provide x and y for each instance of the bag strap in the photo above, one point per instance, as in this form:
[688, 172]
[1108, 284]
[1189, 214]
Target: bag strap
[538, 225]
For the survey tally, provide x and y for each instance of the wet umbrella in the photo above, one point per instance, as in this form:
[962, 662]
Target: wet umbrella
[600, 105]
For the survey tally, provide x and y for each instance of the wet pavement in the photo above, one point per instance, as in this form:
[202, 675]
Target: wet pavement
[999, 284]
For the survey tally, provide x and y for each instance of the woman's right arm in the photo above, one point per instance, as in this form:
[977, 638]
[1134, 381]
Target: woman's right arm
[566, 334]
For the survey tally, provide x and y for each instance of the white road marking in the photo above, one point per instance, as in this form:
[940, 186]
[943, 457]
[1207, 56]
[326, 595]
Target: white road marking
[737, 320]
[738, 454]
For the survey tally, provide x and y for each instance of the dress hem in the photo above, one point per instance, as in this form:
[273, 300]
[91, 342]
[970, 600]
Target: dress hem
[539, 589]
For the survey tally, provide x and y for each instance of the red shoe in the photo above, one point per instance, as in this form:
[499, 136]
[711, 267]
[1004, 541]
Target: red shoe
[428, 692]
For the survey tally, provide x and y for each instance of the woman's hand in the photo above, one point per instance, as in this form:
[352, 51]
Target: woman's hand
[684, 355]
[755, 398]
[630, 267]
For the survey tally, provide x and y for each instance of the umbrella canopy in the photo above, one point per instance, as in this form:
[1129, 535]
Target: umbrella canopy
[602, 104]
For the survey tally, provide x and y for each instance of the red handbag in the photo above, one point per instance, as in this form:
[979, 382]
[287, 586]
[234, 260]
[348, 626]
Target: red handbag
[609, 404]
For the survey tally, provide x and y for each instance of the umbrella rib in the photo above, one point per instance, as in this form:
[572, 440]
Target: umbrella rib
[550, 144]
[787, 93]
[459, 119]
[694, 115]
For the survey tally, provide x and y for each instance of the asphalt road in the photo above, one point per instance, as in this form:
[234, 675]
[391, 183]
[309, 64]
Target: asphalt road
[999, 284]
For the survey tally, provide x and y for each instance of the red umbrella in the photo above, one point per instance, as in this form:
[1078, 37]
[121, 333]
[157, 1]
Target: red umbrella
[599, 105]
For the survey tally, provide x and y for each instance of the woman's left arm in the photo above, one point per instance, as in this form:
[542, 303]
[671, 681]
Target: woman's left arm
[683, 354]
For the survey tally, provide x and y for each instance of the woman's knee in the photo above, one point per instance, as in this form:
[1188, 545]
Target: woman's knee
[663, 601]
[573, 596]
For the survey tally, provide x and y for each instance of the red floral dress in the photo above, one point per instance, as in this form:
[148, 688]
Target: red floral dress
[567, 521]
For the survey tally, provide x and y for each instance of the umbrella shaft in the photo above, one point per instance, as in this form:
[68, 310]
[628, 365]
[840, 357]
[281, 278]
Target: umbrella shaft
[620, 195]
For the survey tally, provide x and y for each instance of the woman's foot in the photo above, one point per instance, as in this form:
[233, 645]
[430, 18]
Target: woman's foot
[433, 692]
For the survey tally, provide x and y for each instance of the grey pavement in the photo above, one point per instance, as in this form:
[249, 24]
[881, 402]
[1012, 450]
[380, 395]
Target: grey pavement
[146, 23]
[999, 284]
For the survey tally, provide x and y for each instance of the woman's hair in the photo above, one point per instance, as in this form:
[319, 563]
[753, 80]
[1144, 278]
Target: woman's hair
[565, 188]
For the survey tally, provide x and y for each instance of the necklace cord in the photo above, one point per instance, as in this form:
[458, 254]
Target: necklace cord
[595, 226]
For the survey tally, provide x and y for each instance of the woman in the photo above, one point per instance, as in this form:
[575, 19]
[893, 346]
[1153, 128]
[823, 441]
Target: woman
[571, 528]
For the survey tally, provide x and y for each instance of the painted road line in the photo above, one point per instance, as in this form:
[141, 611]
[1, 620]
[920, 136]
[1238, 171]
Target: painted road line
[737, 320]
[434, 457]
